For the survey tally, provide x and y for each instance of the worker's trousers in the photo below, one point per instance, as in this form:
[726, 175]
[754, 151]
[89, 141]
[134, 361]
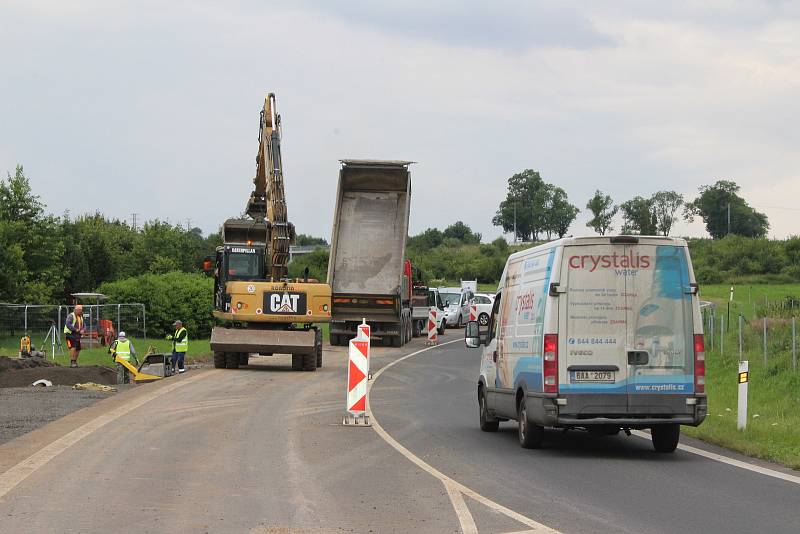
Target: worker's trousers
[123, 375]
[177, 359]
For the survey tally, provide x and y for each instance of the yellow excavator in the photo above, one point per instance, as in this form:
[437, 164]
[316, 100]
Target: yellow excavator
[263, 311]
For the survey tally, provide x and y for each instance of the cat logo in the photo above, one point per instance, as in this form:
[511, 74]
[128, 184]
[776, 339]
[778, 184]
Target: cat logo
[285, 303]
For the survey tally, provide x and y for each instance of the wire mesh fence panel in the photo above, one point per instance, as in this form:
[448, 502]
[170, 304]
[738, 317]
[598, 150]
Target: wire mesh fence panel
[44, 324]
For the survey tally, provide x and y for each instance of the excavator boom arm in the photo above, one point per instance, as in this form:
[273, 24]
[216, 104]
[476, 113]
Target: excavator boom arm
[267, 202]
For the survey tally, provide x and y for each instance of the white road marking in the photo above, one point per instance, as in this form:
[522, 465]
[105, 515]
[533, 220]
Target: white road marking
[455, 490]
[729, 461]
[15, 475]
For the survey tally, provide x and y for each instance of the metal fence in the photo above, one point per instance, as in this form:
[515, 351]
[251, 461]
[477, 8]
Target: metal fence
[44, 324]
[771, 333]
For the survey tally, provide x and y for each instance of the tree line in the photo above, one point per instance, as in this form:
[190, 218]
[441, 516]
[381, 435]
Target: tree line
[44, 258]
[534, 209]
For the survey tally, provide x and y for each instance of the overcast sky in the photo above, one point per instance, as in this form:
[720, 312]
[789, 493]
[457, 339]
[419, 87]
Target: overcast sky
[152, 107]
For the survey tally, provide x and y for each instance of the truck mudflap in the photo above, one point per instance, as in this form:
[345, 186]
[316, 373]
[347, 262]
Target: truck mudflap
[262, 341]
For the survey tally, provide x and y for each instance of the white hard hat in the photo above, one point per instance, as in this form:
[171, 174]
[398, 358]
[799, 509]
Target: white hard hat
[122, 333]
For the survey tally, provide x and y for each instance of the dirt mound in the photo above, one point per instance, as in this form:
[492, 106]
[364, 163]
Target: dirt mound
[58, 375]
[7, 363]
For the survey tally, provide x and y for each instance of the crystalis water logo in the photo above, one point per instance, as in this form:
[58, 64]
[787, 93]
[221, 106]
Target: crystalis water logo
[631, 260]
[285, 303]
[525, 301]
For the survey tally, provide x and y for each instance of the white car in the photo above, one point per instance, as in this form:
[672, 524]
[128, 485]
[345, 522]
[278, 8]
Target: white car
[483, 302]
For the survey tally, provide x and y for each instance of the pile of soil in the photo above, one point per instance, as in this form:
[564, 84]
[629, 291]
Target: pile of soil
[7, 363]
[21, 372]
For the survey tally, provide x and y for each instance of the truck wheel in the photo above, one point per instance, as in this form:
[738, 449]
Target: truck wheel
[530, 434]
[297, 362]
[483, 319]
[219, 360]
[232, 360]
[458, 321]
[244, 358]
[396, 341]
[334, 339]
[665, 437]
[386, 341]
[416, 329]
[488, 424]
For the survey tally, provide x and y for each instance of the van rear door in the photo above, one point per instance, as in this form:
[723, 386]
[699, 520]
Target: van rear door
[595, 368]
[660, 329]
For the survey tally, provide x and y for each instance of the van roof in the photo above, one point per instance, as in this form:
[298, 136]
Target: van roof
[599, 240]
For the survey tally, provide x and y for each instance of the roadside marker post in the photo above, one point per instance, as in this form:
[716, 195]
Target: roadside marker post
[357, 376]
[473, 312]
[744, 378]
[433, 337]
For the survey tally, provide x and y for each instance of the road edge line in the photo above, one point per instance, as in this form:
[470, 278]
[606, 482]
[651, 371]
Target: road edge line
[466, 520]
[729, 461]
[16, 474]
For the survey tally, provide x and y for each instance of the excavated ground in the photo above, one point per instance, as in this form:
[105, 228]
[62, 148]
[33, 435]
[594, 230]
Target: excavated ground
[24, 408]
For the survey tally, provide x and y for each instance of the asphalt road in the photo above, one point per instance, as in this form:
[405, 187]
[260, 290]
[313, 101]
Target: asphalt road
[263, 450]
[577, 483]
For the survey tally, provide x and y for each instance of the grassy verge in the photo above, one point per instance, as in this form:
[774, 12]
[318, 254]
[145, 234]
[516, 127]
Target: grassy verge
[199, 349]
[773, 426]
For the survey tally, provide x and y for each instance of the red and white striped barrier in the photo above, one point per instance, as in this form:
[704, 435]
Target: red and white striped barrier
[433, 324]
[473, 312]
[357, 377]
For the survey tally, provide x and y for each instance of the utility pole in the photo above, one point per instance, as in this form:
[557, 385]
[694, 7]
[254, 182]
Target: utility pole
[729, 218]
[515, 223]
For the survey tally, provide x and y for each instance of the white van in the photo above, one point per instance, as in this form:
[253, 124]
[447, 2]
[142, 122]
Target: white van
[599, 333]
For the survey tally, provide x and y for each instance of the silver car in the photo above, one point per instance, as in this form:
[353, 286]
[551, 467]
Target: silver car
[456, 305]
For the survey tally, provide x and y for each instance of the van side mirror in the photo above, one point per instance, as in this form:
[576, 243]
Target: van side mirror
[472, 335]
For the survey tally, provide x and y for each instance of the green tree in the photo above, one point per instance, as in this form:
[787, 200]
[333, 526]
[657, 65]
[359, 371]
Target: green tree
[603, 211]
[430, 238]
[26, 228]
[665, 205]
[316, 262]
[17, 201]
[715, 202]
[462, 232]
[638, 216]
[525, 203]
[560, 214]
[304, 240]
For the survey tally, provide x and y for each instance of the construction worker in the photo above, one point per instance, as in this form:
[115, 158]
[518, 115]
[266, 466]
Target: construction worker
[180, 345]
[122, 348]
[73, 329]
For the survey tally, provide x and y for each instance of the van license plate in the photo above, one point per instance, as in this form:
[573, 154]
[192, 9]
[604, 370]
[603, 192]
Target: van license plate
[606, 377]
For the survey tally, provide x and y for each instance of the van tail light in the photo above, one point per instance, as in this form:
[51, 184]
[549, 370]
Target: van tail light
[550, 366]
[699, 364]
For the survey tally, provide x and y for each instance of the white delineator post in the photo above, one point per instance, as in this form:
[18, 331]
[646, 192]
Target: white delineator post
[744, 378]
[473, 312]
[357, 376]
[433, 324]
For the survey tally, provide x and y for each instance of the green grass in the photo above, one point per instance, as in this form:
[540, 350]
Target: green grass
[774, 388]
[748, 299]
[199, 349]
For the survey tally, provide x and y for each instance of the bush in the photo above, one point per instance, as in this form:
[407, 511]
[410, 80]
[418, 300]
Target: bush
[170, 296]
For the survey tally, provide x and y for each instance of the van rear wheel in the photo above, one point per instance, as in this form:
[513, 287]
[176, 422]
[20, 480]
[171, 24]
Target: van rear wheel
[530, 434]
[488, 424]
[665, 437]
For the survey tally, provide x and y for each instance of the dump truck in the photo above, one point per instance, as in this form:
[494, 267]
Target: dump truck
[262, 310]
[367, 271]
